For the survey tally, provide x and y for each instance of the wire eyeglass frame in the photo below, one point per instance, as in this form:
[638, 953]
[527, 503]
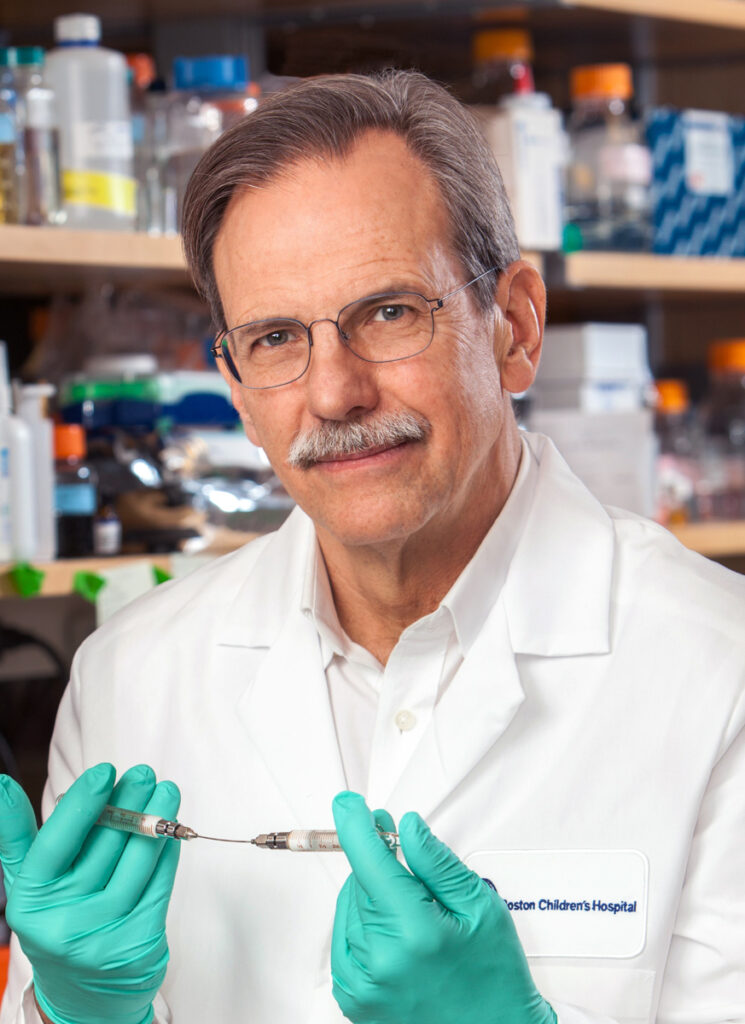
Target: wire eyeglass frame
[219, 349]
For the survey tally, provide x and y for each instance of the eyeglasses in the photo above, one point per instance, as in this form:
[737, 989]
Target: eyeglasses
[380, 328]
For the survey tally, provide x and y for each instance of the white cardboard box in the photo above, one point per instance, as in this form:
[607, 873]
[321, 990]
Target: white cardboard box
[613, 453]
[594, 352]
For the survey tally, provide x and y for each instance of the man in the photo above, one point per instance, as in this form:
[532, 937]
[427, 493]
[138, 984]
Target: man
[450, 624]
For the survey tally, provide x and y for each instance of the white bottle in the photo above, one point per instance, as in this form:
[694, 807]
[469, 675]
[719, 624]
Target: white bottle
[529, 142]
[30, 405]
[16, 436]
[96, 149]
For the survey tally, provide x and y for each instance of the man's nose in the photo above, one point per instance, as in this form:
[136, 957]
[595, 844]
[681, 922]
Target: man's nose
[338, 383]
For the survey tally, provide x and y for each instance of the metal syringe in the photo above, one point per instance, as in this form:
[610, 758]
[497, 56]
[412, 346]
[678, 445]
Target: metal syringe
[296, 841]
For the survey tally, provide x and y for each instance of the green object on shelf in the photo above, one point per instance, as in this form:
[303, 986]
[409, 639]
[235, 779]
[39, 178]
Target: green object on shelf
[88, 584]
[26, 579]
[572, 241]
[160, 575]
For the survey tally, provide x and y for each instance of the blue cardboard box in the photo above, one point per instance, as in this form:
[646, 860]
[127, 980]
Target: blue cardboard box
[698, 182]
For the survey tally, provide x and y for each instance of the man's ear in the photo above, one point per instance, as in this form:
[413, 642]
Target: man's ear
[521, 296]
[238, 397]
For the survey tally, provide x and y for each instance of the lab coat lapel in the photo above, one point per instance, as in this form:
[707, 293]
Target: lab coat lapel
[288, 716]
[555, 602]
[472, 714]
[285, 706]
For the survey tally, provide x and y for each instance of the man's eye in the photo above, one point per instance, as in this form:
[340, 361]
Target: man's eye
[390, 312]
[273, 340]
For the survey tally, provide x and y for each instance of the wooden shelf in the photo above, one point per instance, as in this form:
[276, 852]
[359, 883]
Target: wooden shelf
[713, 539]
[59, 575]
[719, 13]
[29, 257]
[645, 272]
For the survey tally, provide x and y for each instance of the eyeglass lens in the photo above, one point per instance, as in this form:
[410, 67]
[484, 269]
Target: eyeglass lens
[383, 328]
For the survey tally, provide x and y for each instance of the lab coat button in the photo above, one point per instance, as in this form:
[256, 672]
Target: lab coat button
[405, 720]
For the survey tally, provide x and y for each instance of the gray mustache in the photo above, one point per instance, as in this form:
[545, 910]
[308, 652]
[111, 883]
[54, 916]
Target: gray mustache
[336, 438]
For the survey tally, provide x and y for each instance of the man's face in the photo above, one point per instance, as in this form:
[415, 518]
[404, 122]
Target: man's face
[328, 232]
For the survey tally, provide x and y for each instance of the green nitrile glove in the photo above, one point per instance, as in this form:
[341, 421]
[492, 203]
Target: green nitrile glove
[87, 903]
[434, 944]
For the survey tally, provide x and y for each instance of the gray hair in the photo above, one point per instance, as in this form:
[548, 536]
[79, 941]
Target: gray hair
[325, 117]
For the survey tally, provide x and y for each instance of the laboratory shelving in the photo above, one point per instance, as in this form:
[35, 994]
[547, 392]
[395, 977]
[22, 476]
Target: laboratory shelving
[32, 258]
[59, 575]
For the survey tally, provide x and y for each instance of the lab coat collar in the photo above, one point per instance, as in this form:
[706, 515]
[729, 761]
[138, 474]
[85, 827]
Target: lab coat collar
[557, 592]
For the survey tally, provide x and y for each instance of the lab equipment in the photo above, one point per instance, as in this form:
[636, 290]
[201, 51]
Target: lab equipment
[297, 840]
[312, 841]
[96, 148]
[15, 436]
[8, 145]
[30, 404]
[75, 492]
[608, 181]
[721, 487]
[37, 153]
[210, 96]
[143, 824]
[432, 943]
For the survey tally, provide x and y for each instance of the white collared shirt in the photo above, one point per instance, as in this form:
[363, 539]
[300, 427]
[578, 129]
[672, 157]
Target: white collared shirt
[380, 712]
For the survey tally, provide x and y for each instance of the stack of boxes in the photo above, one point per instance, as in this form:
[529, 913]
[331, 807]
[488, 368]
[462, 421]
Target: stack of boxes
[591, 396]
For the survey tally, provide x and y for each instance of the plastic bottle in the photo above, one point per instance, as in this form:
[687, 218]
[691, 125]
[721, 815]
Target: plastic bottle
[502, 65]
[212, 94]
[722, 487]
[107, 530]
[38, 171]
[30, 403]
[8, 146]
[6, 525]
[96, 151]
[677, 466]
[16, 439]
[75, 492]
[141, 75]
[607, 191]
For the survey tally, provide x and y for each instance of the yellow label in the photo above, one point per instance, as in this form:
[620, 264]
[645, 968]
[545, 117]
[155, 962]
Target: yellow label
[95, 188]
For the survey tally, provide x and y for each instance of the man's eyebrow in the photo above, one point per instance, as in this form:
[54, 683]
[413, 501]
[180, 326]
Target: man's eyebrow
[394, 288]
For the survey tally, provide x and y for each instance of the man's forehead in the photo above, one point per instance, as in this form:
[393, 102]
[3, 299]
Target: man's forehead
[374, 210]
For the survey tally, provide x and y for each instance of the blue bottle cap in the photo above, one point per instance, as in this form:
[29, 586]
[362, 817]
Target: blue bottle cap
[211, 74]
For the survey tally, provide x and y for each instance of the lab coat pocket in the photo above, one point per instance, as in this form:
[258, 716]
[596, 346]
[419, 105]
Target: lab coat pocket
[579, 993]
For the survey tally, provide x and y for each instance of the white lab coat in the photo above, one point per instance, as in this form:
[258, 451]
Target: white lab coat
[601, 708]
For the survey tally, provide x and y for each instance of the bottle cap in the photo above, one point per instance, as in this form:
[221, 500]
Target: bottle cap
[501, 44]
[727, 355]
[672, 395]
[210, 73]
[21, 56]
[601, 81]
[142, 66]
[77, 28]
[69, 441]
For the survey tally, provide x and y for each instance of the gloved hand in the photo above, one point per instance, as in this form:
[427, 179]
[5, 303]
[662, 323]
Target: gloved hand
[88, 904]
[434, 944]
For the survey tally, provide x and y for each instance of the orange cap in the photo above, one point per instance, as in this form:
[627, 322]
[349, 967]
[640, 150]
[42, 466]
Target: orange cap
[727, 355]
[672, 395]
[143, 69]
[501, 44]
[69, 441]
[601, 81]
